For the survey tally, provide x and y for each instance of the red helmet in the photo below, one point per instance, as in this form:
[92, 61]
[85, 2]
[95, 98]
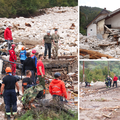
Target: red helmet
[33, 51]
[13, 45]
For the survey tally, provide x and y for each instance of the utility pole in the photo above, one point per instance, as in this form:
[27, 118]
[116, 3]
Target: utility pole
[83, 72]
[108, 67]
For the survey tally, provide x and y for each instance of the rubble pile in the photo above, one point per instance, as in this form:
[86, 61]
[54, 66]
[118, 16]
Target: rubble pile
[107, 46]
[2, 29]
[65, 19]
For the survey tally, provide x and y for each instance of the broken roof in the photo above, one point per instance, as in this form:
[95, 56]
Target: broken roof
[98, 16]
[109, 15]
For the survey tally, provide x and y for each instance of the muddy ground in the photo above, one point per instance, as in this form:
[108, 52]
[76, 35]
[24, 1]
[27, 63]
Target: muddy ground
[100, 103]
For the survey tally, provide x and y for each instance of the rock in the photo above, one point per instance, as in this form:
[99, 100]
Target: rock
[118, 51]
[28, 24]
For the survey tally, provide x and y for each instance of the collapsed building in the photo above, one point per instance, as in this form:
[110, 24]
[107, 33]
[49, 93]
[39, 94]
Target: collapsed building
[103, 37]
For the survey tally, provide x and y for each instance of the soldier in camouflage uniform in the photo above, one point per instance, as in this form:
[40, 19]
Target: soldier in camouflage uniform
[47, 40]
[30, 94]
[55, 44]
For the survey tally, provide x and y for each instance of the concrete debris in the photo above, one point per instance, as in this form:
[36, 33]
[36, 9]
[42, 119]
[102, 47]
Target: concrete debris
[107, 46]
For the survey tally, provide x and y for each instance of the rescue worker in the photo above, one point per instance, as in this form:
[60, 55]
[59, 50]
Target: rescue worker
[22, 54]
[57, 87]
[35, 61]
[47, 40]
[13, 58]
[33, 53]
[27, 82]
[108, 80]
[56, 44]
[41, 73]
[115, 80]
[29, 65]
[8, 86]
[8, 36]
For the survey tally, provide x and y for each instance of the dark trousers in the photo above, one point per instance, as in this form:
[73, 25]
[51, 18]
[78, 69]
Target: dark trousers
[9, 43]
[47, 47]
[57, 96]
[115, 82]
[10, 100]
[22, 61]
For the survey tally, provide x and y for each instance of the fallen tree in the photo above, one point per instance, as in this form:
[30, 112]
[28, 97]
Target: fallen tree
[93, 54]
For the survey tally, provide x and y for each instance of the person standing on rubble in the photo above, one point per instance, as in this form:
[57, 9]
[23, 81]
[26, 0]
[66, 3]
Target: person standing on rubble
[35, 61]
[10, 99]
[22, 54]
[47, 40]
[13, 58]
[29, 65]
[56, 44]
[8, 36]
[108, 80]
[41, 73]
[115, 80]
[57, 87]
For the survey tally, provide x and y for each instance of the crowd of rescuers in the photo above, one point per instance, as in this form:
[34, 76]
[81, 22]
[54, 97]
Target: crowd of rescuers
[33, 69]
[108, 81]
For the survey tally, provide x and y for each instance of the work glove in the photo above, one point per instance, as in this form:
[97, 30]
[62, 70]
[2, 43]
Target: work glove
[1, 95]
[17, 93]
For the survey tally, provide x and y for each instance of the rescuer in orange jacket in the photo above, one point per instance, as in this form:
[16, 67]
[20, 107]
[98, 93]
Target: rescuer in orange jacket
[13, 58]
[57, 87]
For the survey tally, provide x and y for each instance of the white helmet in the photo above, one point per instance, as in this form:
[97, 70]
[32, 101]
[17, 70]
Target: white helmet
[48, 31]
[9, 25]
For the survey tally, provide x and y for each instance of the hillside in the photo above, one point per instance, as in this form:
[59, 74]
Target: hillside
[98, 70]
[26, 8]
[87, 14]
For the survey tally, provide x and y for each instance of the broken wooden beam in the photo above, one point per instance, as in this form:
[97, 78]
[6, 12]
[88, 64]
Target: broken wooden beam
[66, 57]
[94, 54]
[108, 29]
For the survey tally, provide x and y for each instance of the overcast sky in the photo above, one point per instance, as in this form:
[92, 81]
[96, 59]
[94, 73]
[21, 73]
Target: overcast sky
[108, 4]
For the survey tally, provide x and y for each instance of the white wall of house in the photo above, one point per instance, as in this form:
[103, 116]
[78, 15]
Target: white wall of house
[91, 30]
[114, 21]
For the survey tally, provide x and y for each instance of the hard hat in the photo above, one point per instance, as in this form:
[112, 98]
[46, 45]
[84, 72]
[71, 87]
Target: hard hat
[48, 31]
[13, 45]
[8, 70]
[33, 51]
[9, 25]
[57, 74]
[23, 48]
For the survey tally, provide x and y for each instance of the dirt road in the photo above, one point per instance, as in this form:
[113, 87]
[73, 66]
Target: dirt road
[100, 103]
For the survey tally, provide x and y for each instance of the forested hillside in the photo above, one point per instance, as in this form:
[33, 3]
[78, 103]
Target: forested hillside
[98, 70]
[12, 8]
[87, 14]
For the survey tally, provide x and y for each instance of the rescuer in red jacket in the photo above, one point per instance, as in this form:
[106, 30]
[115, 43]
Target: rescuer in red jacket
[8, 35]
[57, 87]
[115, 80]
[13, 58]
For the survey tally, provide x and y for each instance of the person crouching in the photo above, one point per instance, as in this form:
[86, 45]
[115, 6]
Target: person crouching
[57, 87]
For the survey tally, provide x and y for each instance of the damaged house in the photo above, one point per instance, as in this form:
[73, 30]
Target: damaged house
[105, 25]
[91, 27]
